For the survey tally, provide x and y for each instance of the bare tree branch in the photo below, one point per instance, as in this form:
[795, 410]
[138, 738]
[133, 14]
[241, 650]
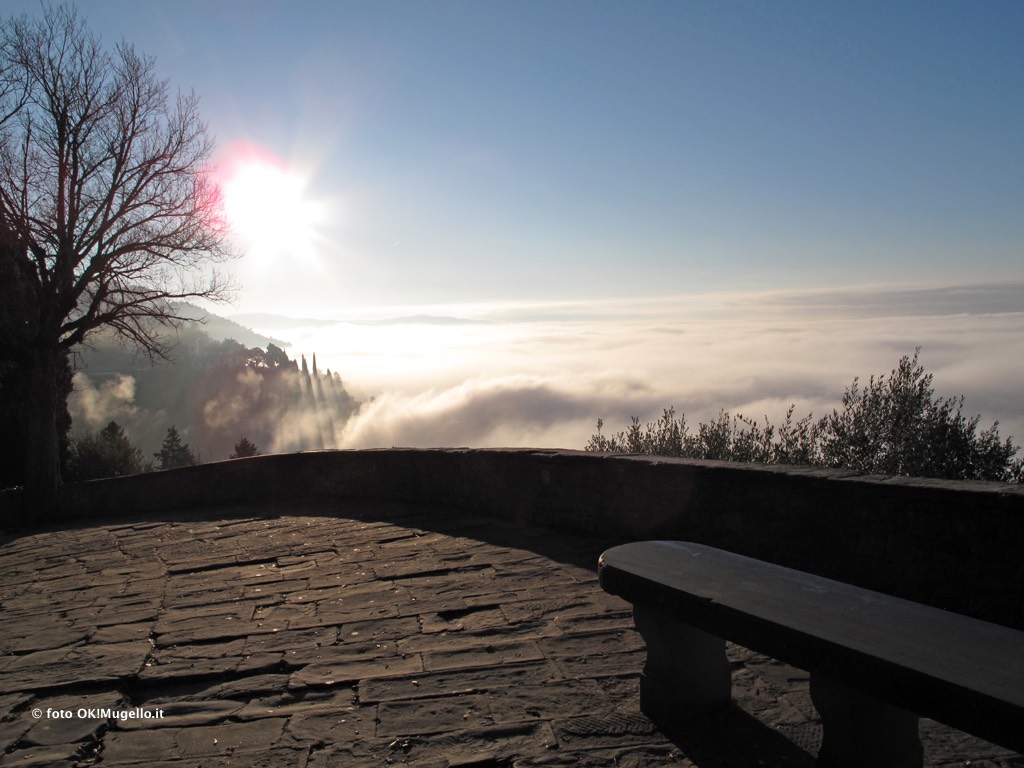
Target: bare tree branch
[104, 180]
[107, 211]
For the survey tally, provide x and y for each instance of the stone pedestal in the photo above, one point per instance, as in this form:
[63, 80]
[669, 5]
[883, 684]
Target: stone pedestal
[860, 730]
[686, 673]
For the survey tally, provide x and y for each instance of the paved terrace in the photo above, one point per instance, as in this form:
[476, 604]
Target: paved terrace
[355, 633]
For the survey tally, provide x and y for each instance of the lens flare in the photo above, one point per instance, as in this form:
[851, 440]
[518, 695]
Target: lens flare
[267, 205]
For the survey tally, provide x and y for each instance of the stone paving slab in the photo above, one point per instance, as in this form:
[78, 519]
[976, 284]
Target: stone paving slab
[351, 634]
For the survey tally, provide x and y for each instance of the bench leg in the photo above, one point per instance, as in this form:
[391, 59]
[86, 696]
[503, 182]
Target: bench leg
[860, 730]
[686, 673]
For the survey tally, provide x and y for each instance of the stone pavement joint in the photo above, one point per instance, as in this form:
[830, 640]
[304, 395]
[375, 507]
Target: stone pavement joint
[356, 633]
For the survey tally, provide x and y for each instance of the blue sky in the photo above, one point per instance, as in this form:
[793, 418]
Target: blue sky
[630, 205]
[477, 151]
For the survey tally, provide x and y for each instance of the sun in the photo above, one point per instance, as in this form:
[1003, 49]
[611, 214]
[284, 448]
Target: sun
[267, 207]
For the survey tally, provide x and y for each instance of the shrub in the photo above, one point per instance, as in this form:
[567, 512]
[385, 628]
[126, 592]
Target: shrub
[895, 425]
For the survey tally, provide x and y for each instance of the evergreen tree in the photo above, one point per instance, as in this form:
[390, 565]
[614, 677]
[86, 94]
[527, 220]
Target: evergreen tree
[174, 453]
[244, 449]
[107, 454]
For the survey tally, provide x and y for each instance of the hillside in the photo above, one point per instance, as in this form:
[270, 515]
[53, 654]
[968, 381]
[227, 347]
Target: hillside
[214, 389]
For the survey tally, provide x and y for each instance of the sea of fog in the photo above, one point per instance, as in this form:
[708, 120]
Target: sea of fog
[540, 374]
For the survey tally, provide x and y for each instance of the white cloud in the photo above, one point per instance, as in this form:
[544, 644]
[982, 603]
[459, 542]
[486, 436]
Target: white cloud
[502, 411]
[96, 406]
[541, 374]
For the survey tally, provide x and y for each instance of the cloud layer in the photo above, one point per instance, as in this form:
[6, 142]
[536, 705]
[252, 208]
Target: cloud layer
[541, 374]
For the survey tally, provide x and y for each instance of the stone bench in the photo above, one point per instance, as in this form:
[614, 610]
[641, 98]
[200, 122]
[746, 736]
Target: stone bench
[876, 662]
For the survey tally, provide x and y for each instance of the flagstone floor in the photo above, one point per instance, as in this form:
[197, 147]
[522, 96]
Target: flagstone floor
[354, 633]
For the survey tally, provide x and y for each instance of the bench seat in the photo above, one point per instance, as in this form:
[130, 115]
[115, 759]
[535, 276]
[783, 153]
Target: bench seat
[876, 661]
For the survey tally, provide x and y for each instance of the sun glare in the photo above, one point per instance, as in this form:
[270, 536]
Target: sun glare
[267, 207]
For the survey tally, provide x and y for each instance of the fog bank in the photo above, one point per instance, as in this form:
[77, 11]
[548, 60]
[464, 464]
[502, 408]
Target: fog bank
[541, 374]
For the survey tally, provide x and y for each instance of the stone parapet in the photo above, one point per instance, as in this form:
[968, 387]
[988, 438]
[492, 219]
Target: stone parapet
[952, 544]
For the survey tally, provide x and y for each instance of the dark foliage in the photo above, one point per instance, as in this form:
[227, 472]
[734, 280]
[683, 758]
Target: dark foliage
[174, 453]
[108, 453]
[244, 449]
[896, 425]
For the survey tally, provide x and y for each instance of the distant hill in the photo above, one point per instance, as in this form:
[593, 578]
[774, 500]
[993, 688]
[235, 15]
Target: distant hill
[279, 322]
[284, 322]
[220, 328]
[425, 320]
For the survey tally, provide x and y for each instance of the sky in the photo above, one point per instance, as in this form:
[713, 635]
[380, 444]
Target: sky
[809, 190]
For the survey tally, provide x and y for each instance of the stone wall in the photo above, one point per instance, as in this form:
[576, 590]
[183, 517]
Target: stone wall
[952, 544]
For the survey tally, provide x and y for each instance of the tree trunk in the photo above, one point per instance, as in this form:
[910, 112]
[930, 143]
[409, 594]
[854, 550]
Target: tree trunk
[42, 442]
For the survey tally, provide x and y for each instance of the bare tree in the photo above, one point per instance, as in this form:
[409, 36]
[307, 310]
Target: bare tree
[108, 213]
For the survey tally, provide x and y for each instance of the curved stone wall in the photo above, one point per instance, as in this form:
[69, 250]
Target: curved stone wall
[952, 544]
